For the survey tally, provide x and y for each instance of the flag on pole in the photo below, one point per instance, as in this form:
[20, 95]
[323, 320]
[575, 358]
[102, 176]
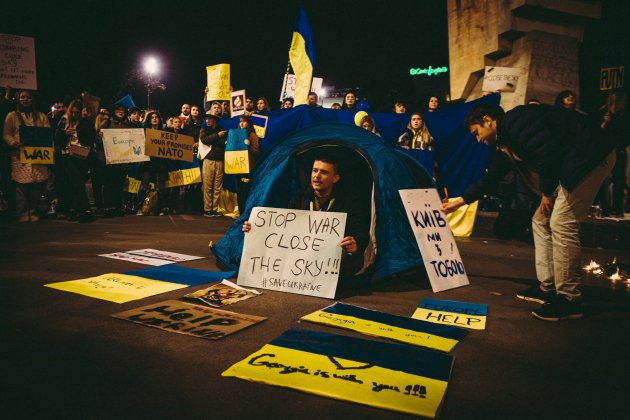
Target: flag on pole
[302, 57]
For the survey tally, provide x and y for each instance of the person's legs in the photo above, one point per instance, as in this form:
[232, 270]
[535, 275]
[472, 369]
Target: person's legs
[206, 177]
[35, 190]
[21, 201]
[217, 185]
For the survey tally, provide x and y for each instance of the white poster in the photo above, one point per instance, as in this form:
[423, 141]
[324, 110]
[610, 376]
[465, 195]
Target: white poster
[434, 237]
[237, 103]
[124, 145]
[151, 257]
[504, 79]
[17, 61]
[288, 86]
[295, 251]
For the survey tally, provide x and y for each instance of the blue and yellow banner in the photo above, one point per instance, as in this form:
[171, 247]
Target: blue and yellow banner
[385, 375]
[302, 57]
[183, 275]
[36, 145]
[454, 313]
[381, 324]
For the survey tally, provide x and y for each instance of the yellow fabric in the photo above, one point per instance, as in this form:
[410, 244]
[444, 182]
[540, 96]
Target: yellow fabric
[228, 205]
[474, 322]
[114, 287]
[462, 220]
[302, 68]
[377, 329]
[317, 374]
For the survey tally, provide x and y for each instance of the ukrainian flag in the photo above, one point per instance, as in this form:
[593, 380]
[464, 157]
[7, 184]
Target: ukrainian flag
[302, 57]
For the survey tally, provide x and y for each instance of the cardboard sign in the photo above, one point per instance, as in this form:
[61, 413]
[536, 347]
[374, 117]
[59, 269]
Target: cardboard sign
[37, 155]
[451, 312]
[295, 251]
[151, 257]
[260, 124]
[17, 62]
[384, 375]
[236, 162]
[218, 82]
[504, 79]
[381, 324]
[611, 78]
[434, 237]
[164, 144]
[237, 103]
[124, 145]
[114, 287]
[183, 177]
[36, 145]
[190, 319]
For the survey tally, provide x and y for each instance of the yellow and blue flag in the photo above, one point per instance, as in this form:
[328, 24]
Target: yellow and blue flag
[454, 313]
[385, 375]
[302, 57]
[381, 324]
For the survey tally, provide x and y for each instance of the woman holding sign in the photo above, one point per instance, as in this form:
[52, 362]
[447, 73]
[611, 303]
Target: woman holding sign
[30, 178]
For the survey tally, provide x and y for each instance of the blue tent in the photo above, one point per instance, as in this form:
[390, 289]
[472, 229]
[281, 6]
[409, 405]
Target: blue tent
[375, 169]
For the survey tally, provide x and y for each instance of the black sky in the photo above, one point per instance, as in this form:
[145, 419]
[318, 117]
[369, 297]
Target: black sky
[94, 45]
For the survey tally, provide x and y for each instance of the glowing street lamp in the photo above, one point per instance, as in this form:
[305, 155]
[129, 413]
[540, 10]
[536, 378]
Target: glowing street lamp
[151, 67]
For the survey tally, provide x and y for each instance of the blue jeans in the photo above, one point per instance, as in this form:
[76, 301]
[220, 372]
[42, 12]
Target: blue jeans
[557, 238]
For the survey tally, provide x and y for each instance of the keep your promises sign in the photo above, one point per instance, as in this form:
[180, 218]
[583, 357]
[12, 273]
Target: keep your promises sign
[295, 251]
[164, 144]
[434, 237]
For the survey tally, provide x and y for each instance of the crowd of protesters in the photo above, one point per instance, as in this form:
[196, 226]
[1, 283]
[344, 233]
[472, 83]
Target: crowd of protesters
[31, 191]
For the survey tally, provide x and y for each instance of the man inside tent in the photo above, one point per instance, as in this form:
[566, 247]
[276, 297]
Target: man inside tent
[322, 195]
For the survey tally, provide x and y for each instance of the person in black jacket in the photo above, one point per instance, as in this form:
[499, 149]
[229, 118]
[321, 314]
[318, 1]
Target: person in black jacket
[560, 158]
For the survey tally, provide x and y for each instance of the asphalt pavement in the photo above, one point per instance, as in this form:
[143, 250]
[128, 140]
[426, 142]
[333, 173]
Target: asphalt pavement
[64, 357]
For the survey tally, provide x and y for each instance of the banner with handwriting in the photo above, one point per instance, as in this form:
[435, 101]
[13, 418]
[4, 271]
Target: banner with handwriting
[124, 145]
[151, 256]
[451, 312]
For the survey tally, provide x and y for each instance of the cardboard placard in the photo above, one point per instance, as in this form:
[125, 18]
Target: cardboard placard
[17, 62]
[218, 77]
[183, 177]
[434, 237]
[167, 145]
[295, 251]
[124, 145]
[189, 319]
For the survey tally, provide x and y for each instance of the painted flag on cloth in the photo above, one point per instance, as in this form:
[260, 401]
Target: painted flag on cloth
[302, 57]
[182, 275]
[381, 324]
[451, 312]
[385, 375]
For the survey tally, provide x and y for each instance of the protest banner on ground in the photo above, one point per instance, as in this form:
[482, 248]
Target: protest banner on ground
[218, 77]
[502, 79]
[124, 145]
[451, 312]
[178, 274]
[36, 145]
[385, 375]
[381, 324]
[164, 144]
[183, 177]
[17, 62]
[222, 294]
[434, 237]
[114, 287]
[237, 103]
[295, 251]
[190, 319]
[151, 256]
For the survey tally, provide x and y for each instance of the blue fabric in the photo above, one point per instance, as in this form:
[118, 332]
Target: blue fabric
[126, 101]
[181, 275]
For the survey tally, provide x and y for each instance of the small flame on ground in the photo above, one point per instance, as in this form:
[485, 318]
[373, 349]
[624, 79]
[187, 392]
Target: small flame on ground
[598, 271]
[592, 266]
[615, 276]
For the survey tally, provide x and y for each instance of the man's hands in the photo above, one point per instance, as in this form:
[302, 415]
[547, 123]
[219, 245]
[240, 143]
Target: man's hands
[546, 205]
[450, 207]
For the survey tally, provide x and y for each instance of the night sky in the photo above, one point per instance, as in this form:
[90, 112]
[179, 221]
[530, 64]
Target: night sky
[96, 45]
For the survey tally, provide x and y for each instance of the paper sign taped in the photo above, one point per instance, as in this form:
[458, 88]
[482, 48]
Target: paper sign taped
[114, 287]
[385, 375]
[381, 324]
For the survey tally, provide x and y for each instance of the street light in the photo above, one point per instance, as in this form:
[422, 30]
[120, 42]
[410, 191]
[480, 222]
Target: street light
[150, 67]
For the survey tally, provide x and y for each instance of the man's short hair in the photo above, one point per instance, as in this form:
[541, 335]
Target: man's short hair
[475, 115]
[328, 159]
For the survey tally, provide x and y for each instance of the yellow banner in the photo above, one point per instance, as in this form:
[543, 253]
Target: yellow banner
[342, 379]
[114, 287]
[462, 220]
[378, 329]
[183, 177]
[236, 162]
[218, 82]
[37, 155]
[475, 322]
[132, 185]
